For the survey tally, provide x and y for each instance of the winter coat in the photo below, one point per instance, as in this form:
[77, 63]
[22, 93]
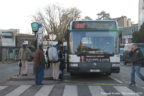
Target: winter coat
[39, 58]
[25, 53]
[136, 57]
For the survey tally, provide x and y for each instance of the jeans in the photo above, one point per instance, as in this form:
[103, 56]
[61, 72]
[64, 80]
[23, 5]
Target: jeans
[137, 70]
[39, 74]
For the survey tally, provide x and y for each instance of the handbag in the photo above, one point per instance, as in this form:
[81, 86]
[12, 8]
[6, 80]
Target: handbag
[20, 63]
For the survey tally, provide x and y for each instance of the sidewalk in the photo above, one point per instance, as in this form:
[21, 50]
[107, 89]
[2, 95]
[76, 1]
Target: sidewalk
[31, 76]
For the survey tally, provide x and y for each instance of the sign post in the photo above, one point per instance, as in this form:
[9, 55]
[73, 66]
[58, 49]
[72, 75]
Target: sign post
[35, 29]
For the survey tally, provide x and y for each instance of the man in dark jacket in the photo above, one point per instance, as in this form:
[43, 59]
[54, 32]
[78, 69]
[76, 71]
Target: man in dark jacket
[136, 57]
[39, 62]
[61, 59]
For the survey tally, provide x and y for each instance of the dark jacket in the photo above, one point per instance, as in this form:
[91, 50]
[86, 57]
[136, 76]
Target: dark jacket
[39, 58]
[136, 57]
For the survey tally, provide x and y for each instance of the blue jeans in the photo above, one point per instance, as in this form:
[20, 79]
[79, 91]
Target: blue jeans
[137, 70]
[39, 74]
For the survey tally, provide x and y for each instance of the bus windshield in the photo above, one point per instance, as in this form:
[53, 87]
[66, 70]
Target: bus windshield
[94, 42]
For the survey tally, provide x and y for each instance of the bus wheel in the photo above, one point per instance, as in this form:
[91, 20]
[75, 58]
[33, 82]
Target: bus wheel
[107, 74]
[72, 74]
[125, 63]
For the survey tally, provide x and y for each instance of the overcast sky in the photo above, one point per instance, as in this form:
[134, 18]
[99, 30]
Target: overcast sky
[17, 13]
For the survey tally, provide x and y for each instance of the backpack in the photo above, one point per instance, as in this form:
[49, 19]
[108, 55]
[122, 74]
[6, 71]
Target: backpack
[53, 54]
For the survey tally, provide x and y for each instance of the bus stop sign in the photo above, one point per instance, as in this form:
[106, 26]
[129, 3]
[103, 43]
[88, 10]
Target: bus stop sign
[35, 27]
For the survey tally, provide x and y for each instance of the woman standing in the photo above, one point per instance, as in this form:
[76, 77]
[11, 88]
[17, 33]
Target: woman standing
[39, 62]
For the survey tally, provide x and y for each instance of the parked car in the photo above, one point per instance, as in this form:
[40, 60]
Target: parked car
[127, 48]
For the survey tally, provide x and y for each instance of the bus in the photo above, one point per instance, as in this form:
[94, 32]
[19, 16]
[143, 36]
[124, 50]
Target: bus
[93, 47]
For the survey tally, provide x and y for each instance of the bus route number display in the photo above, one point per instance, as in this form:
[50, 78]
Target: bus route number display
[78, 25]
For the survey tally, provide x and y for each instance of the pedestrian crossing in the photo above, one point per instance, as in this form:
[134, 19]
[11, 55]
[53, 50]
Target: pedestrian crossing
[18, 90]
[70, 90]
[2, 87]
[44, 91]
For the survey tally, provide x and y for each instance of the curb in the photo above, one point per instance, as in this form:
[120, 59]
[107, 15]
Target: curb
[21, 78]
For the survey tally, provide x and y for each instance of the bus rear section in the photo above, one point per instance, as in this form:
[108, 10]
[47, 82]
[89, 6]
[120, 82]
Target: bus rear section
[93, 50]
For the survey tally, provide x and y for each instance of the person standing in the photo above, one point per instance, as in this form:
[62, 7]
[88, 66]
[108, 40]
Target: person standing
[53, 58]
[136, 57]
[39, 62]
[24, 53]
[48, 62]
[61, 59]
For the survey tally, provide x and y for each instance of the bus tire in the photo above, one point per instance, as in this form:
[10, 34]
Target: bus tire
[72, 74]
[125, 63]
[107, 74]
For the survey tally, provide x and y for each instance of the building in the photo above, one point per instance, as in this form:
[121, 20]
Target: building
[123, 21]
[127, 33]
[10, 43]
[8, 37]
[20, 38]
[141, 13]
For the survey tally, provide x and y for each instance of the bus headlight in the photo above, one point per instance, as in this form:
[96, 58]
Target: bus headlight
[115, 58]
[74, 65]
[115, 65]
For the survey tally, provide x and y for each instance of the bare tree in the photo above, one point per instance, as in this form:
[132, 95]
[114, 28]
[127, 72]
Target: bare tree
[56, 19]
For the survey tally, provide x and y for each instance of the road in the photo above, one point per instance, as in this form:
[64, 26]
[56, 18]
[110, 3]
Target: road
[80, 85]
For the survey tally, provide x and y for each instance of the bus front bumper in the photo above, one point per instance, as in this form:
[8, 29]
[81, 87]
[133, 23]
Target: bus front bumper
[94, 67]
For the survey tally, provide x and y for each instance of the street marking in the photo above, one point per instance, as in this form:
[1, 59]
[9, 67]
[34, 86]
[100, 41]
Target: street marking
[90, 83]
[18, 91]
[125, 91]
[44, 91]
[3, 87]
[96, 91]
[116, 80]
[70, 90]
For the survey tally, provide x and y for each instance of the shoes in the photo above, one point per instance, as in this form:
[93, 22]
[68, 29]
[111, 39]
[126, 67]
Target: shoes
[132, 85]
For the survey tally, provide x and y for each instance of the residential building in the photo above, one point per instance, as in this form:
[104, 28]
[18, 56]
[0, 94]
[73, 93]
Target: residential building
[123, 21]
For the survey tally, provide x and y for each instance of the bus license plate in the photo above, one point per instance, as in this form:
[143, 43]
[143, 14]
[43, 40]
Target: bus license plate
[94, 70]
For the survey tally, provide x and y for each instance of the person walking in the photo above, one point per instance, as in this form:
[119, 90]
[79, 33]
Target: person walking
[39, 62]
[137, 58]
[24, 54]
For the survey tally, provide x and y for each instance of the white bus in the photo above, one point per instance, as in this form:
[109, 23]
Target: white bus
[93, 47]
